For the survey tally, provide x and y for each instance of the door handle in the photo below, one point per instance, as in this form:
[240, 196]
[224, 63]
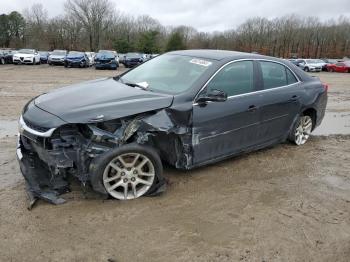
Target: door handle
[294, 98]
[252, 108]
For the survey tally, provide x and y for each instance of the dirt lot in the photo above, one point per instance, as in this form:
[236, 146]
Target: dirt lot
[284, 203]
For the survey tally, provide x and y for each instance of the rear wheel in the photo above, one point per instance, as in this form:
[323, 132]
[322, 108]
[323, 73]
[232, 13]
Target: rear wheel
[302, 130]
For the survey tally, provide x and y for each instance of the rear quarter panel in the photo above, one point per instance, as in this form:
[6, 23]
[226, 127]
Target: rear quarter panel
[315, 97]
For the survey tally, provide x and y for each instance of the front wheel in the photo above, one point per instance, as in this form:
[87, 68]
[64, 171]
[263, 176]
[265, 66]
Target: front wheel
[2, 61]
[302, 130]
[307, 69]
[130, 171]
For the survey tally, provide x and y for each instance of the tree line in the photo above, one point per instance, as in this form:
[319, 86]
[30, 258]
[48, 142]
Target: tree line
[97, 24]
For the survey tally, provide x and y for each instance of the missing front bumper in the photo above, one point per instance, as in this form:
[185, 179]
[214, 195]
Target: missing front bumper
[41, 182]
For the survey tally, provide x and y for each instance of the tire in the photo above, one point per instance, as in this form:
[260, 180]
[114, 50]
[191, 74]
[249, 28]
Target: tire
[307, 69]
[109, 166]
[2, 61]
[301, 130]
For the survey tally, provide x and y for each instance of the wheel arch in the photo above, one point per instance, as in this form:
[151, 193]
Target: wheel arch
[311, 112]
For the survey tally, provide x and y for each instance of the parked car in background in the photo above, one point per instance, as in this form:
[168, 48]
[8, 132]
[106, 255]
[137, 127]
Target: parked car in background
[341, 67]
[186, 108]
[115, 53]
[26, 56]
[91, 57]
[106, 60]
[57, 57]
[321, 63]
[2, 57]
[8, 55]
[44, 56]
[76, 59]
[133, 59]
[309, 65]
[293, 61]
[121, 58]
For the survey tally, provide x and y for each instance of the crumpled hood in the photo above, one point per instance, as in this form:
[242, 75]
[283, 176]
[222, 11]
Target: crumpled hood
[102, 99]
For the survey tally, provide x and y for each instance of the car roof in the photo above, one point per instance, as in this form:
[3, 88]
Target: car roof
[220, 54]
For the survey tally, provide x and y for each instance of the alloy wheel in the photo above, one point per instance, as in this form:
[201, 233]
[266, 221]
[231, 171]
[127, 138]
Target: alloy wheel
[303, 131]
[129, 176]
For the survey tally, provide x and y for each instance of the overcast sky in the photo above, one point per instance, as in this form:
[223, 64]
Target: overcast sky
[205, 15]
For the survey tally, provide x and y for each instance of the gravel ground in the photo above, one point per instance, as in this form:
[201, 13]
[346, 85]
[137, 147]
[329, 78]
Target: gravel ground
[284, 203]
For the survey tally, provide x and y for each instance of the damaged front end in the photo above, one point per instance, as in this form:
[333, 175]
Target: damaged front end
[49, 157]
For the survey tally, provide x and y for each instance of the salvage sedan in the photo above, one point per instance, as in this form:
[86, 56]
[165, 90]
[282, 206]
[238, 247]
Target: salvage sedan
[186, 108]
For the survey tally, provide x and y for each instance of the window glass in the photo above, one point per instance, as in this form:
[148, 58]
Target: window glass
[290, 77]
[234, 79]
[274, 75]
[169, 73]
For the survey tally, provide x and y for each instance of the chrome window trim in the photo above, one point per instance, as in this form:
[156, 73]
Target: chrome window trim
[23, 125]
[250, 93]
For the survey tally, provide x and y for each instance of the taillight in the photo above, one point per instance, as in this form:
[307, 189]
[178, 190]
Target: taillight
[325, 87]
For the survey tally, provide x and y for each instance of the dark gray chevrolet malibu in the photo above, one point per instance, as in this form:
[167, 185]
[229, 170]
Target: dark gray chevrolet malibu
[186, 108]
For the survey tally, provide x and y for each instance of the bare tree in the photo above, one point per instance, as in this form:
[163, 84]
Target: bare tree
[95, 16]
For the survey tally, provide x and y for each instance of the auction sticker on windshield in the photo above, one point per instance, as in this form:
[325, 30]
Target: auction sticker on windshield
[200, 62]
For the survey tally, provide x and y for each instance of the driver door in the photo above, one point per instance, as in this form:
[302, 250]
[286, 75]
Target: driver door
[224, 128]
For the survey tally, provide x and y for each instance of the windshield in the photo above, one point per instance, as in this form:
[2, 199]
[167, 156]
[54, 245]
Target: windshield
[43, 53]
[319, 61]
[75, 54]
[58, 53]
[168, 73]
[133, 55]
[26, 51]
[105, 55]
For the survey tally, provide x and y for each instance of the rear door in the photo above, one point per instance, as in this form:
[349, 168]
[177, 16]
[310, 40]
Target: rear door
[280, 100]
[224, 128]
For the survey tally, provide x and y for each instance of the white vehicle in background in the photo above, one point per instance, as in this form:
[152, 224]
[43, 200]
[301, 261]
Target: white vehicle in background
[91, 57]
[57, 57]
[26, 56]
[321, 63]
[309, 65]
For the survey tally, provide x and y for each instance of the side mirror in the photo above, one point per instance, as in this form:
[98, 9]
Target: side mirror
[214, 95]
